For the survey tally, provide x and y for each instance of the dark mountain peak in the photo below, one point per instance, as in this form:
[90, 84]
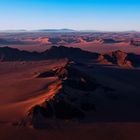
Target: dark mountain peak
[69, 52]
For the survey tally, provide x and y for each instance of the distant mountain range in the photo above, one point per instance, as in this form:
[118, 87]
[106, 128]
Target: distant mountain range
[63, 30]
[56, 30]
[41, 30]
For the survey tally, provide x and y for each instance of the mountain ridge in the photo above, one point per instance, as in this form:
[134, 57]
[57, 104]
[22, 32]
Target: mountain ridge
[118, 57]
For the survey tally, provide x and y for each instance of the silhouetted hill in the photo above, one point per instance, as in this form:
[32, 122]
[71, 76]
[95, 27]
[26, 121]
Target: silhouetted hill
[119, 58]
[11, 54]
[70, 53]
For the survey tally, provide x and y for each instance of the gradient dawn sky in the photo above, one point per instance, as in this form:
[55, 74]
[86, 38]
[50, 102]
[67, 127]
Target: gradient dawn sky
[105, 15]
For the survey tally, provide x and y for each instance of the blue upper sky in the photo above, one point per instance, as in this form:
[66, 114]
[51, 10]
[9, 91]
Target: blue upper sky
[107, 15]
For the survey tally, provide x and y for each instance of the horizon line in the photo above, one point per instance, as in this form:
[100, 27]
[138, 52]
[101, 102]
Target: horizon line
[64, 29]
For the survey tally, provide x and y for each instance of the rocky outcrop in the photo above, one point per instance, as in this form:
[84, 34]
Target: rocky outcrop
[117, 58]
[71, 100]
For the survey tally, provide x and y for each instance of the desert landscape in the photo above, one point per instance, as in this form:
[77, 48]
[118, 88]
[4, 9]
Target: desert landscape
[69, 70]
[69, 93]
[101, 42]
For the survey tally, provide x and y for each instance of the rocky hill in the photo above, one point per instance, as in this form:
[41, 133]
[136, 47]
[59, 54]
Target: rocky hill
[70, 97]
[118, 58]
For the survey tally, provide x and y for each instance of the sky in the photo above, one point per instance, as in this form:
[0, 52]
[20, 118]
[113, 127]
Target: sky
[103, 15]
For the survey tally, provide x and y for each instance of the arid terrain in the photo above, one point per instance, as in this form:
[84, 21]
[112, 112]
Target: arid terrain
[101, 42]
[69, 86]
